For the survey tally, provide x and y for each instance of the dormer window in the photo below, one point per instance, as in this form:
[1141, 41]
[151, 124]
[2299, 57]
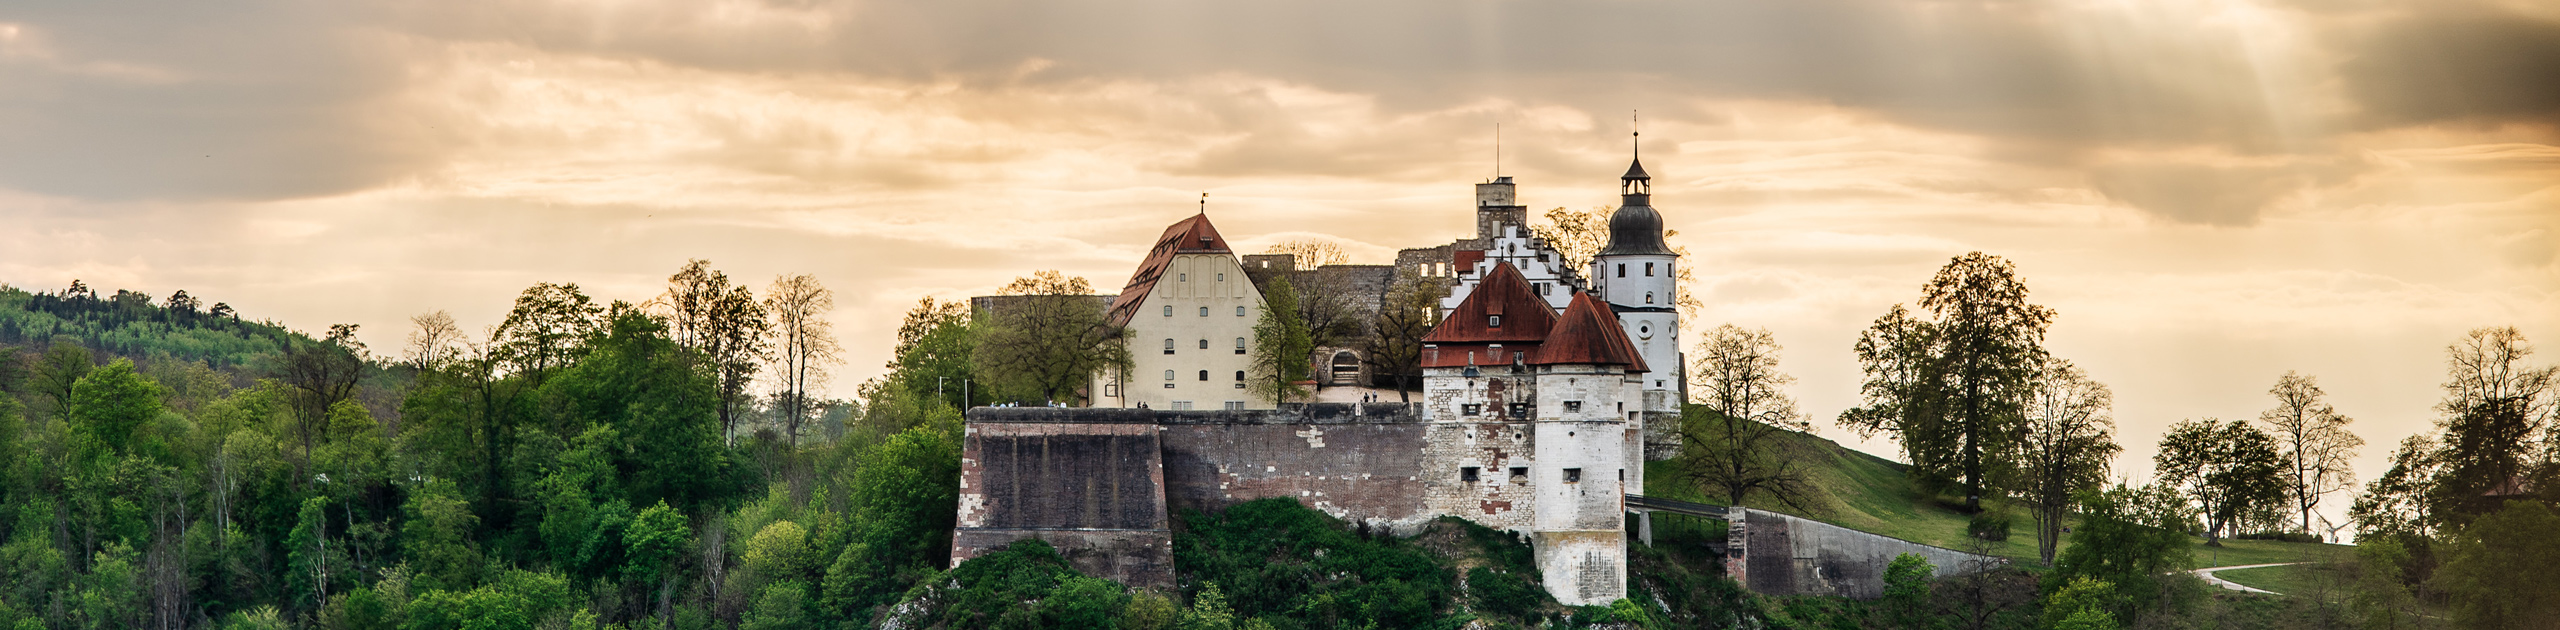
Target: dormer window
[1493, 321]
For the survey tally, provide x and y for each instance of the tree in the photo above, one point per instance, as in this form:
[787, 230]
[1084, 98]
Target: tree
[1905, 603]
[2398, 503]
[656, 538]
[724, 325]
[2069, 440]
[807, 345]
[1406, 314]
[2120, 543]
[634, 379]
[183, 303]
[1952, 387]
[2230, 469]
[109, 406]
[1281, 345]
[437, 537]
[434, 340]
[1576, 236]
[2317, 446]
[2488, 573]
[2495, 410]
[1310, 253]
[1731, 440]
[1047, 340]
[58, 370]
[932, 357]
[547, 329]
[320, 376]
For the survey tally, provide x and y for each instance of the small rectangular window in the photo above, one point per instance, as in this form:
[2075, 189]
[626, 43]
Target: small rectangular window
[1493, 321]
[1222, 277]
[1204, 375]
[1204, 344]
[1573, 475]
[1168, 346]
[1470, 409]
[1648, 270]
[1239, 376]
[1520, 475]
[1520, 410]
[1168, 310]
[1238, 405]
[1204, 311]
[1622, 270]
[1573, 406]
[1239, 345]
[1182, 277]
[1168, 375]
[1181, 405]
[1239, 311]
[1467, 473]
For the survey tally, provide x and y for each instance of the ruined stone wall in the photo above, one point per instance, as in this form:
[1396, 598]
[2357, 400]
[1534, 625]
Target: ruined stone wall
[1777, 554]
[1095, 490]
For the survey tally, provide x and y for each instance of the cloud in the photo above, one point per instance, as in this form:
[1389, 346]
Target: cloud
[2457, 62]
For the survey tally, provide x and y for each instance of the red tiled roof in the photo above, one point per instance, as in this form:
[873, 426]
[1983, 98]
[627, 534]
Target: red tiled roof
[1525, 317]
[1463, 262]
[1193, 235]
[1588, 334]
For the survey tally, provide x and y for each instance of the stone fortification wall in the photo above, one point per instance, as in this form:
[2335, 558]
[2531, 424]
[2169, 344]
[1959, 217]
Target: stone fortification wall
[1094, 489]
[1777, 554]
[1357, 462]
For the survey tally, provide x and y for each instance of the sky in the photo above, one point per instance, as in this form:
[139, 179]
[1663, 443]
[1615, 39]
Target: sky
[2210, 192]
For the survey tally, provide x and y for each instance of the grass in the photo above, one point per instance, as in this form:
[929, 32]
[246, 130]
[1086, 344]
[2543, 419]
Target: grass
[2297, 579]
[1873, 494]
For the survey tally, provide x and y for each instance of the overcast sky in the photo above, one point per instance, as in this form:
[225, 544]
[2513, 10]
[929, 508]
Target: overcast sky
[2211, 192]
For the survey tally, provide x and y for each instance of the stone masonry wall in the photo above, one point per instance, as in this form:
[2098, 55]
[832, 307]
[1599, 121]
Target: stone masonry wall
[1777, 554]
[1093, 490]
[1496, 498]
[1363, 468]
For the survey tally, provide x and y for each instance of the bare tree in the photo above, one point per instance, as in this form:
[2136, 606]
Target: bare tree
[1311, 253]
[1394, 345]
[2069, 440]
[723, 325]
[807, 345]
[1734, 448]
[1577, 237]
[434, 341]
[319, 376]
[2317, 446]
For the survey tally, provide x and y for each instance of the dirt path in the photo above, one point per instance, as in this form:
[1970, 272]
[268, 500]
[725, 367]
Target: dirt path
[2210, 578]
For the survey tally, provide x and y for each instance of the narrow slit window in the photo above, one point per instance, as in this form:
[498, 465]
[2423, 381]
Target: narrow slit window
[1648, 270]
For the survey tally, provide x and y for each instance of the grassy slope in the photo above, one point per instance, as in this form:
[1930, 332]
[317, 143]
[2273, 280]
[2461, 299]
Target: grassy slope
[2299, 579]
[1872, 494]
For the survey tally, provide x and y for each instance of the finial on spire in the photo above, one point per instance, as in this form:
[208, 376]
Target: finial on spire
[1635, 128]
[1204, 202]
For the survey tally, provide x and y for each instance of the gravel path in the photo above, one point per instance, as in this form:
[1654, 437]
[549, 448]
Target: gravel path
[2210, 578]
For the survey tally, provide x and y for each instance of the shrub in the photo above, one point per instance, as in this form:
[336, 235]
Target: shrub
[1505, 593]
[1989, 524]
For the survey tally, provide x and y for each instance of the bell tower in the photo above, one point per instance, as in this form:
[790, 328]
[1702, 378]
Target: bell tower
[1638, 275]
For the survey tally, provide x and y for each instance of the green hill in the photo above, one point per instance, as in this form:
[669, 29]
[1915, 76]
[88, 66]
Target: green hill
[1868, 493]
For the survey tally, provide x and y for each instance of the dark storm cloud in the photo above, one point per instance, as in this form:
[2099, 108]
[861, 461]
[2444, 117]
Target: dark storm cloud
[2458, 63]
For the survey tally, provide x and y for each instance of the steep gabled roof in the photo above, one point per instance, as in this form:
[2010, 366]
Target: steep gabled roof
[1525, 317]
[1193, 235]
[1588, 334]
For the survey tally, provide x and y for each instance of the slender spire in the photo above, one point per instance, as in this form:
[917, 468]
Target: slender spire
[1204, 203]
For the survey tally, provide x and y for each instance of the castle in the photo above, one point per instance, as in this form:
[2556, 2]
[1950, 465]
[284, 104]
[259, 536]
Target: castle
[1537, 389]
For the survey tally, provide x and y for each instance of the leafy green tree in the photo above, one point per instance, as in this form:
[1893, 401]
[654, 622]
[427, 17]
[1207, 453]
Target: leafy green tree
[2485, 573]
[1046, 339]
[1951, 387]
[1729, 440]
[308, 553]
[1084, 602]
[2068, 442]
[58, 371]
[1281, 345]
[547, 329]
[637, 381]
[780, 606]
[2380, 599]
[905, 501]
[1905, 603]
[2317, 445]
[437, 537]
[651, 546]
[2082, 604]
[2398, 503]
[724, 324]
[2120, 543]
[110, 406]
[111, 595]
[2230, 469]
[318, 377]
[935, 343]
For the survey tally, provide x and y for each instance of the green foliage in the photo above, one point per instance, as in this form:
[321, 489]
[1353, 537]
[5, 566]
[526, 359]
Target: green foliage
[135, 329]
[933, 355]
[1281, 345]
[2120, 546]
[516, 601]
[1906, 591]
[437, 537]
[1044, 340]
[110, 406]
[637, 381]
[1951, 387]
[780, 606]
[905, 500]
[1148, 610]
[1506, 593]
[1024, 585]
[2230, 469]
[1990, 524]
[2084, 603]
[653, 542]
[2484, 574]
[111, 594]
[1277, 557]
